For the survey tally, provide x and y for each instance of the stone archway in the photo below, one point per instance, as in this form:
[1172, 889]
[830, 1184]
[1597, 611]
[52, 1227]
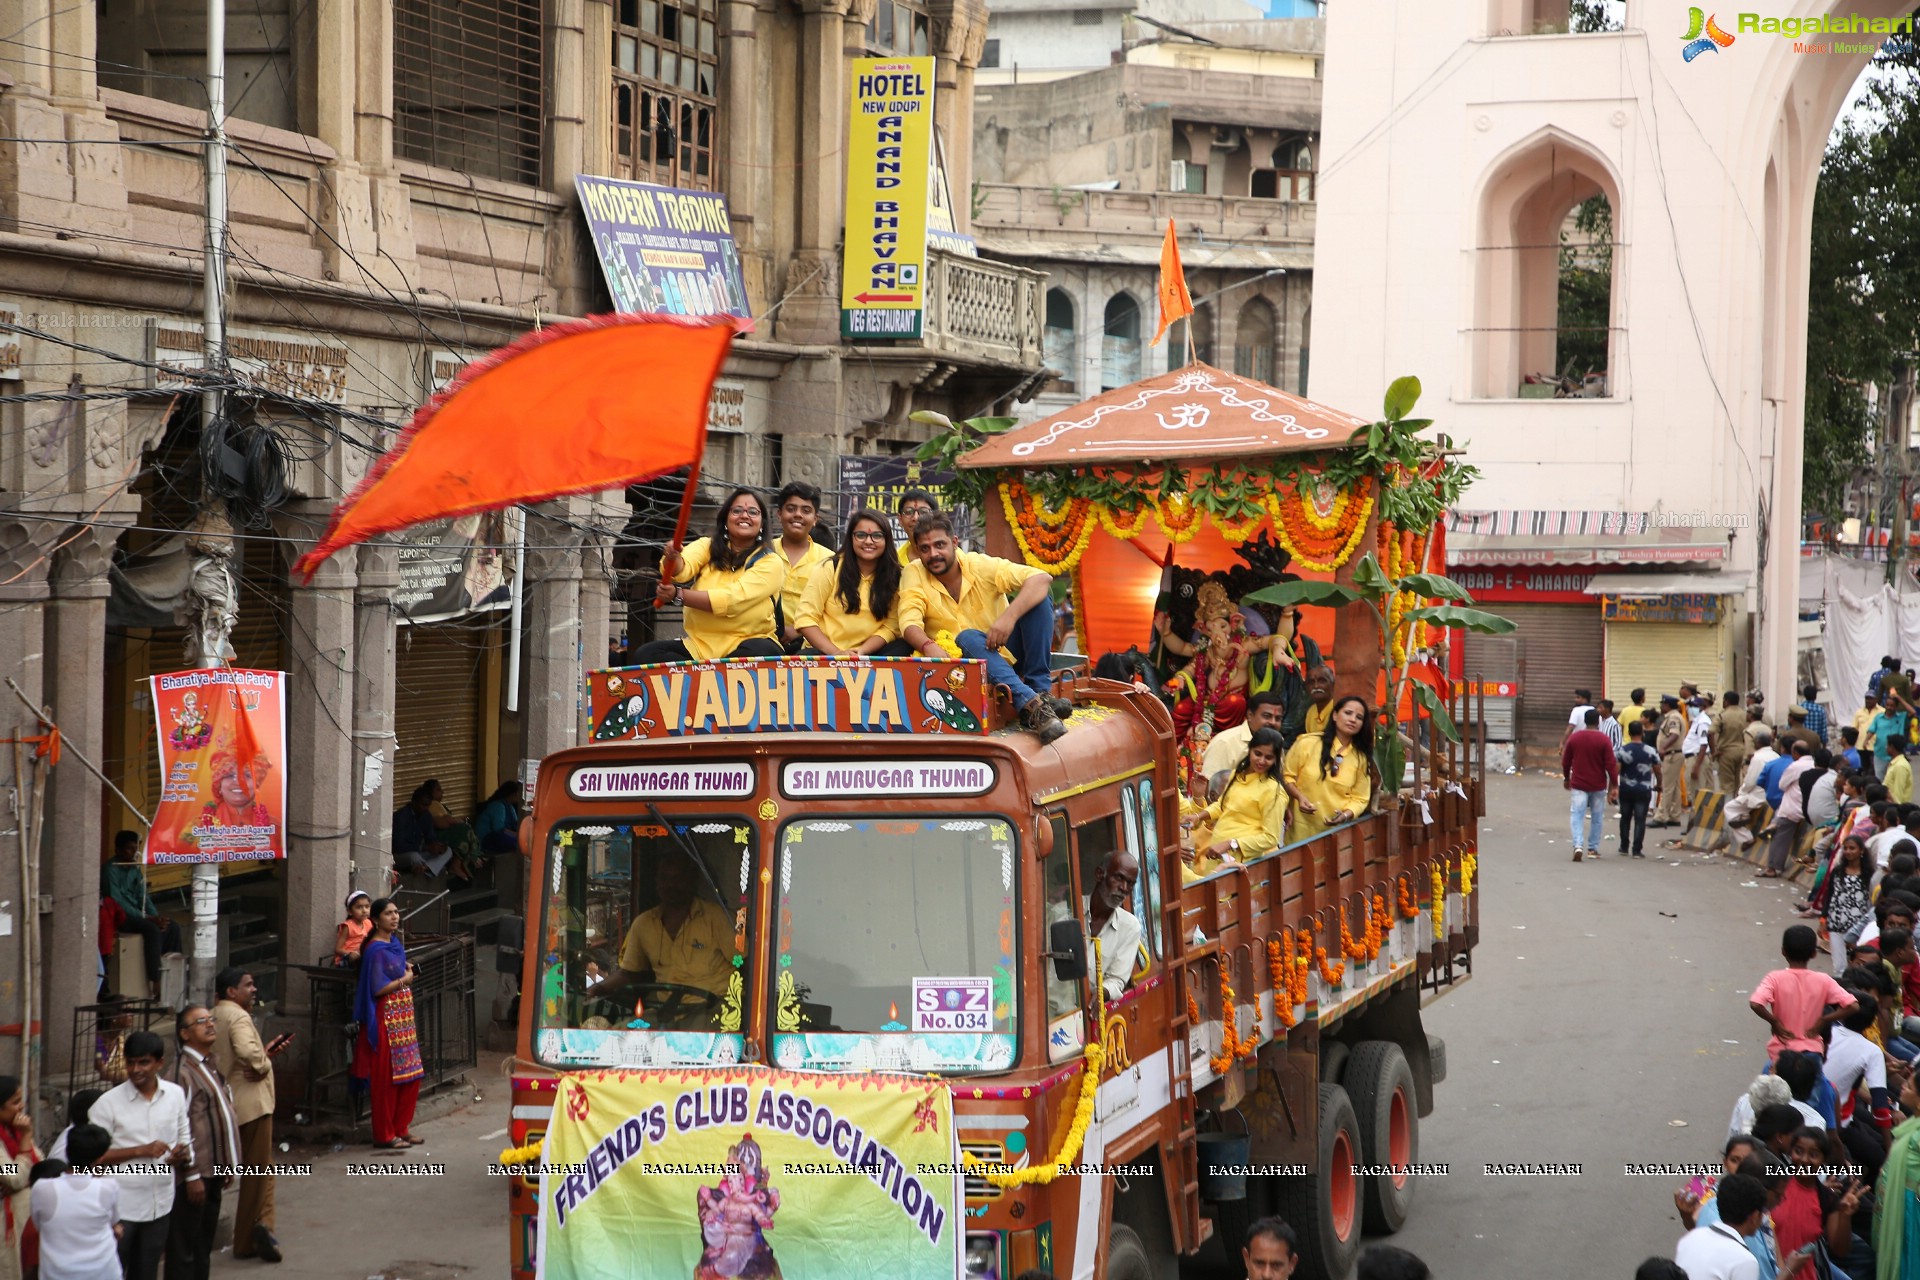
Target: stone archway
[1795, 106]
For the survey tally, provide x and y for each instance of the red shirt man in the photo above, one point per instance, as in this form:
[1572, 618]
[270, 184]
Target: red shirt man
[1588, 761]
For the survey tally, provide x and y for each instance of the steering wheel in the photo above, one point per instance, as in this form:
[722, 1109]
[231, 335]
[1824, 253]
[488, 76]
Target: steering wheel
[668, 1004]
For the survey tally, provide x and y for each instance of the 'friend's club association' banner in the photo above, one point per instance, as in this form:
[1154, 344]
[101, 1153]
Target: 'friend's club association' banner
[222, 737]
[750, 1171]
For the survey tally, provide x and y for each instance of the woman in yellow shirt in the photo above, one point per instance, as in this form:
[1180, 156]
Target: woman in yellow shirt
[1326, 773]
[849, 606]
[725, 585]
[1246, 821]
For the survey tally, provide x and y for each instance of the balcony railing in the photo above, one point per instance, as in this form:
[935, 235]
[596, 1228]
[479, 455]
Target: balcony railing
[983, 310]
[1039, 212]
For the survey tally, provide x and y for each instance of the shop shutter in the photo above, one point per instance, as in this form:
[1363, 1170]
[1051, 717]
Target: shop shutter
[436, 712]
[1561, 649]
[1492, 660]
[1658, 656]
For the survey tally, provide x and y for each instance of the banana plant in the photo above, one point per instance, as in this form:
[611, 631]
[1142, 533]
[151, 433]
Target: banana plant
[1398, 451]
[950, 442]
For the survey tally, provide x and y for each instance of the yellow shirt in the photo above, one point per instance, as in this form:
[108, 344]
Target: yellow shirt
[1349, 788]
[821, 607]
[742, 600]
[1632, 715]
[1861, 719]
[905, 552]
[1900, 780]
[793, 588]
[985, 583]
[700, 955]
[1252, 810]
[1317, 717]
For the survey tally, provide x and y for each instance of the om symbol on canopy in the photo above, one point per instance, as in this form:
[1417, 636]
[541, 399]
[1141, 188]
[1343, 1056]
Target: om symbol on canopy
[1184, 416]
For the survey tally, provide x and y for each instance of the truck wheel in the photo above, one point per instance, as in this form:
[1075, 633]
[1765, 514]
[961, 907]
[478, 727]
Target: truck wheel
[1127, 1256]
[1326, 1206]
[1384, 1101]
[1333, 1061]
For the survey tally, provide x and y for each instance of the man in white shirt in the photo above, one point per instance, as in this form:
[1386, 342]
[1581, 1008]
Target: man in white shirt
[1610, 725]
[75, 1212]
[1583, 703]
[1718, 1251]
[1122, 955]
[1752, 797]
[1853, 1060]
[146, 1118]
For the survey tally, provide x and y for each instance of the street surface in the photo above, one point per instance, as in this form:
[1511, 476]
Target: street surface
[1609, 1000]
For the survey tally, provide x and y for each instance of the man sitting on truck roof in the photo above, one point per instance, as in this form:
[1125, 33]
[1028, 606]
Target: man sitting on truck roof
[965, 594]
[686, 941]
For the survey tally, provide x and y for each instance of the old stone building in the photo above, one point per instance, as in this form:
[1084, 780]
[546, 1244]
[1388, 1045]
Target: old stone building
[1212, 126]
[402, 201]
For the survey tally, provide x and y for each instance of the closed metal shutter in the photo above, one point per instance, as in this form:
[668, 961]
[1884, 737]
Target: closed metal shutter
[1659, 656]
[1492, 661]
[436, 712]
[1562, 648]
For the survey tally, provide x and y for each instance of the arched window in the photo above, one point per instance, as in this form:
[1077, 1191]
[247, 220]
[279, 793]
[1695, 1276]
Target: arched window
[1253, 341]
[1545, 266]
[1120, 342]
[1061, 347]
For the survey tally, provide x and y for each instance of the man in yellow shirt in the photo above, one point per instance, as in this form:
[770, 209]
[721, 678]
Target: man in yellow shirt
[686, 941]
[1899, 780]
[915, 505]
[1863, 721]
[965, 594]
[1636, 709]
[1319, 708]
[798, 509]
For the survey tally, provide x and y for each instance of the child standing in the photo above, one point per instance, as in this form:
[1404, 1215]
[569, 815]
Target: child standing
[353, 931]
[1793, 1001]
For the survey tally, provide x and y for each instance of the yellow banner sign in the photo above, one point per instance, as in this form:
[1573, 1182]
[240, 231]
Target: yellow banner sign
[750, 1172]
[889, 162]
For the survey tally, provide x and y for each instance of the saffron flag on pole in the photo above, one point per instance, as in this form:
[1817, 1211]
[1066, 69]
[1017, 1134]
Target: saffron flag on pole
[579, 407]
[1175, 301]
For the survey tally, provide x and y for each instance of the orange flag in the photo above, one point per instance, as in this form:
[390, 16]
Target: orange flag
[577, 408]
[1175, 301]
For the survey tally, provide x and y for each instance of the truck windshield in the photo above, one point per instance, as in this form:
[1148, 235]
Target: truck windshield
[644, 942]
[897, 945]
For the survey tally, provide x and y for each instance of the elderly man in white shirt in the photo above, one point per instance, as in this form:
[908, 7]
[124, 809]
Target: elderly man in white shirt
[1117, 929]
[1752, 797]
[147, 1120]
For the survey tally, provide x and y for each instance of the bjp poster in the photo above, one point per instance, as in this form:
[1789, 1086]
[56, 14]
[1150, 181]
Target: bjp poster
[750, 1172]
[222, 735]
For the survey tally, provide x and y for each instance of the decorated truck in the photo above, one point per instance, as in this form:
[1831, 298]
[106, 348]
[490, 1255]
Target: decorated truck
[808, 988]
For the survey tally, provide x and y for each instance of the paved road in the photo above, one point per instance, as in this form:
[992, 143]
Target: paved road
[1609, 1000]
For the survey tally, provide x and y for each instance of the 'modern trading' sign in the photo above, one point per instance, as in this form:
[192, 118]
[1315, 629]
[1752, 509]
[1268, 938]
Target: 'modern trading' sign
[889, 162]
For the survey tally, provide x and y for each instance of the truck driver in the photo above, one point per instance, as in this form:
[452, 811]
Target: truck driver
[1122, 957]
[686, 941]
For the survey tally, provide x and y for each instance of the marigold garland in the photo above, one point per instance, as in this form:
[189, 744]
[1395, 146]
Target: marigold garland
[1069, 1148]
[948, 644]
[1124, 525]
[1468, 865]
[1179, 519]
[1439, 906]
[1296, 526]
[1408, 907]
[1231, 1045]
[529, 1154]
[1379, 922]
[1280, 974]
[1052, 541]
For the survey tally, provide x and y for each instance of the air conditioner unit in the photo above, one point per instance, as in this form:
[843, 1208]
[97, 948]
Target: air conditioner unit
[1178, 177]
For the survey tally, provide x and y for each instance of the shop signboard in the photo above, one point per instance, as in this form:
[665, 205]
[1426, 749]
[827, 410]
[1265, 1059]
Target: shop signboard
[889, 176]
[662, 249]
[1695, 607]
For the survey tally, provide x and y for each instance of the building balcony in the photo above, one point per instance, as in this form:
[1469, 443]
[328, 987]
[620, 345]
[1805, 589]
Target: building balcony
[1127, 226]
[982, 310]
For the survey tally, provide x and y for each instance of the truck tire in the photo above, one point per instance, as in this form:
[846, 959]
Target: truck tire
[1127, 1256]
[1325, 1207]
[1387, 1107]
[1333, 1061]
[1437, 1056]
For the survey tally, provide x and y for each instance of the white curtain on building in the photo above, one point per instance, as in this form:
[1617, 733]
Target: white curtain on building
[1858, 631]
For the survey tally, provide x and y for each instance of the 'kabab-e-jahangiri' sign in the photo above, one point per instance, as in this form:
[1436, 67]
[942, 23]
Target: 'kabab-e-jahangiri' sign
[777, 695]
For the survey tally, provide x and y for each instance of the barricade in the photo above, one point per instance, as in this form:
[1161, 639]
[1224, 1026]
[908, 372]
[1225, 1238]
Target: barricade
[1755, 852]
[1706, 824]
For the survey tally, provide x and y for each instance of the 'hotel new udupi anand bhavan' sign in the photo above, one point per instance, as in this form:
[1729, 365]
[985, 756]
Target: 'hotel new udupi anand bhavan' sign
[889, 179]
[773, 695]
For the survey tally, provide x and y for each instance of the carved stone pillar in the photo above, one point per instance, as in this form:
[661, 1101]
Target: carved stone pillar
[550, 713]
[320, 792]
[811, 313]
[371, 772]
[960, 38]
[76, 636]
[23, 571]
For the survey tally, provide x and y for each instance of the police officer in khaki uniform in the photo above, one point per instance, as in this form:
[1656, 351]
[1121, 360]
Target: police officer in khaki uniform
[1673, 727]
